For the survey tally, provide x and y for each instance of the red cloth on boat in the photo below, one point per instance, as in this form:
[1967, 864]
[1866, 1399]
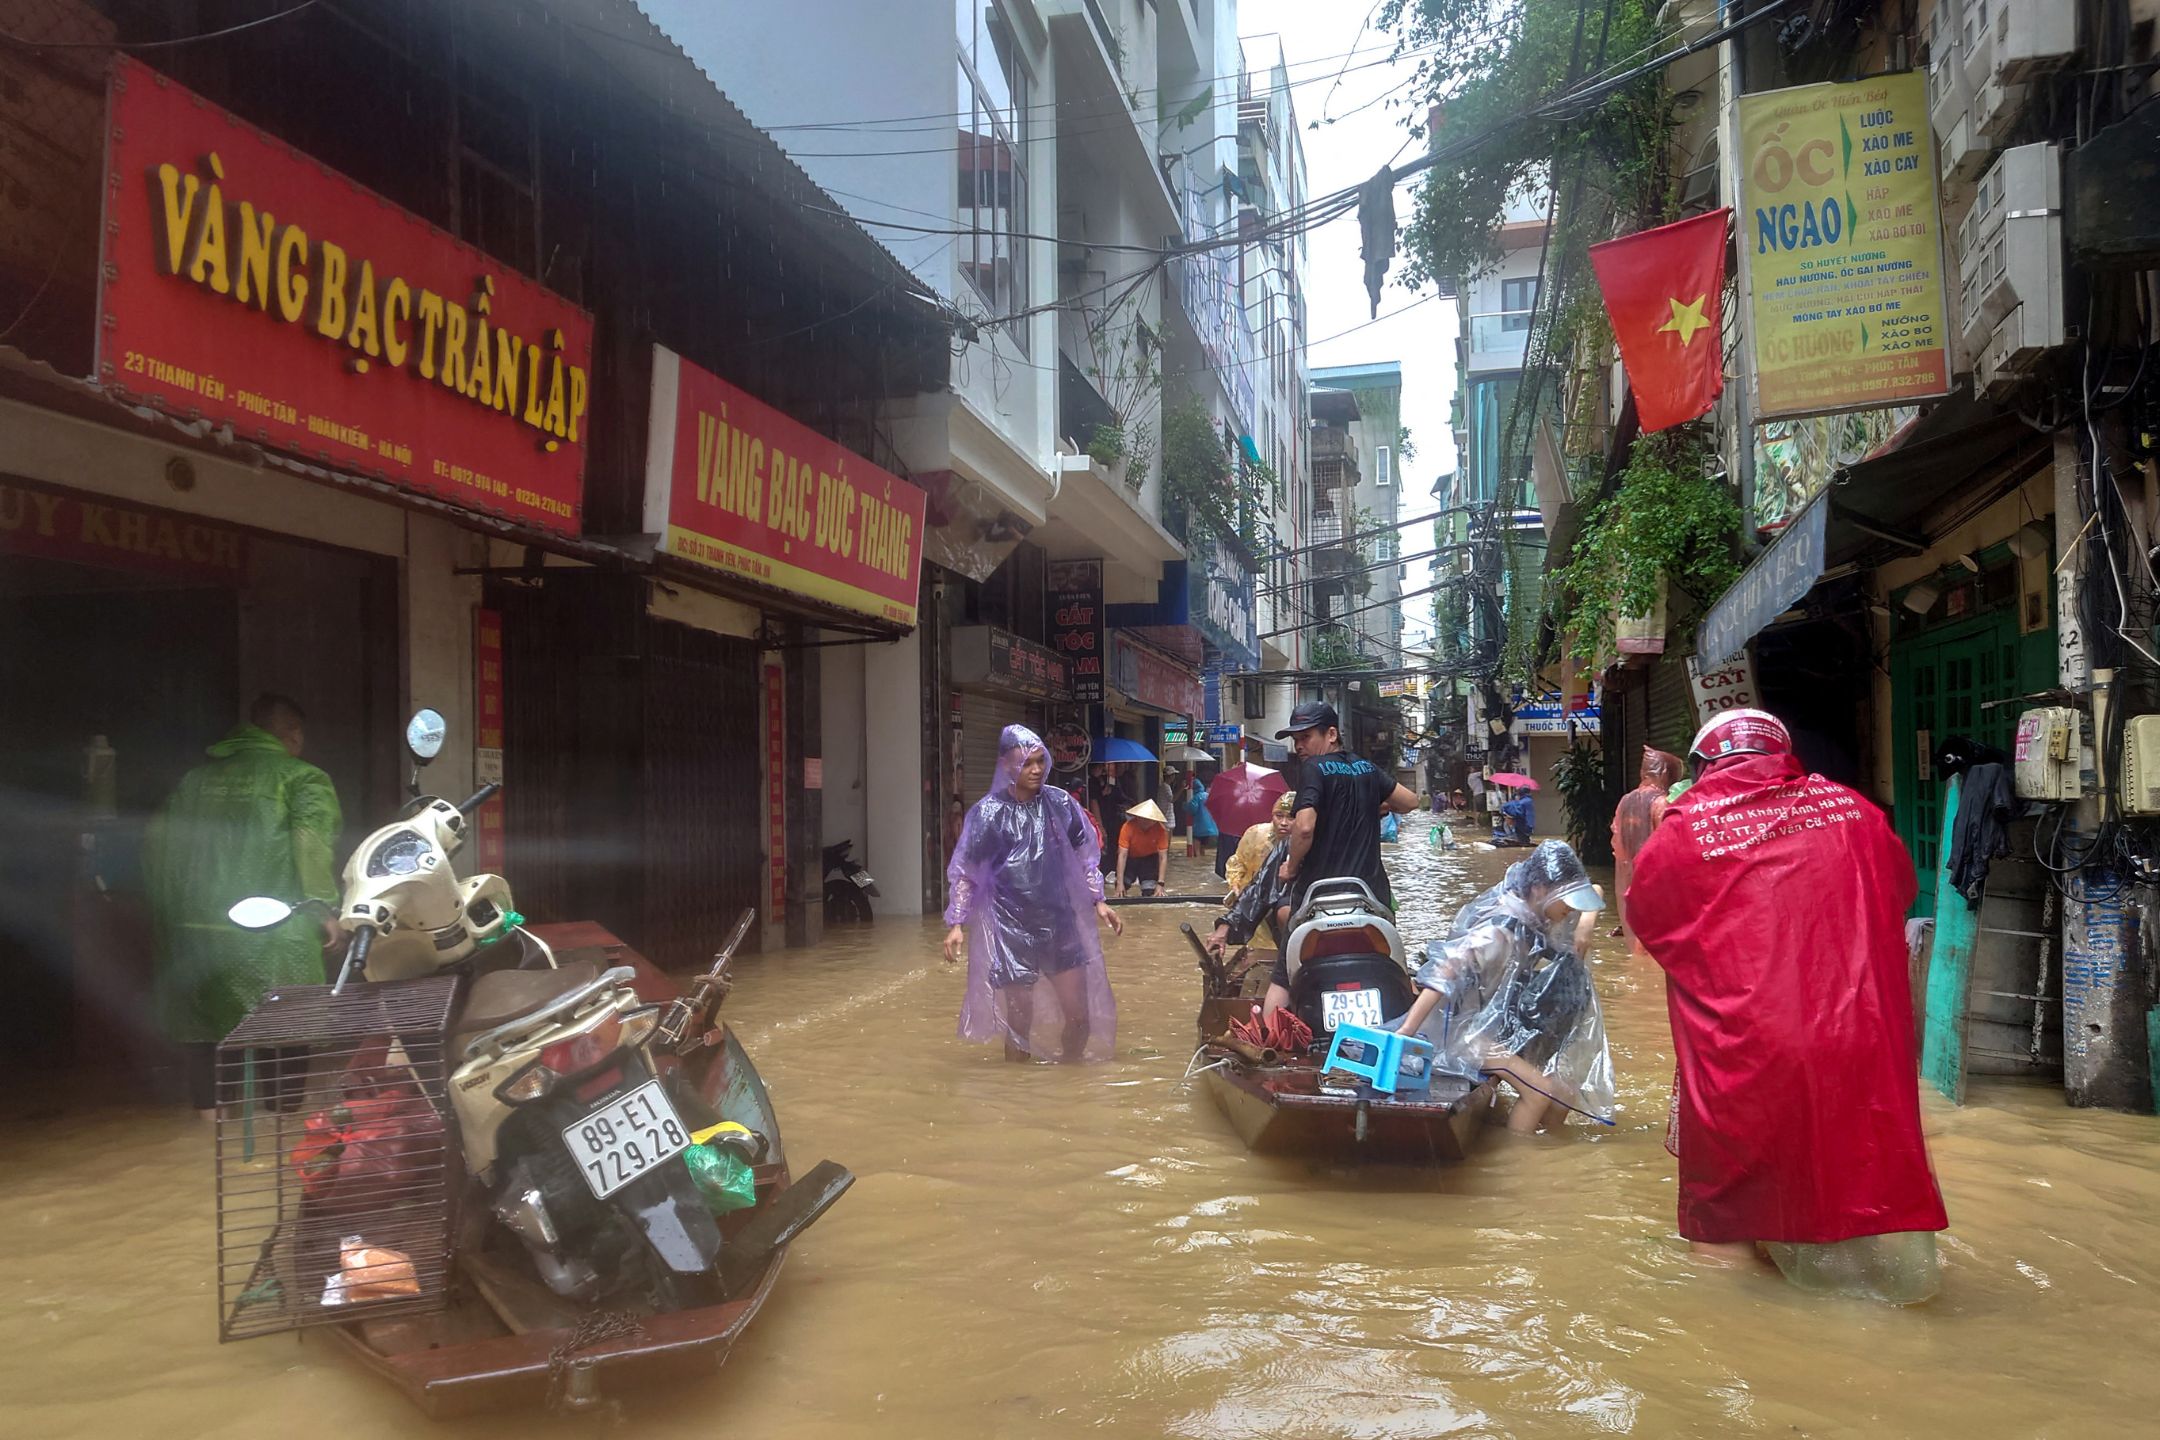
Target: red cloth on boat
[1775, 901]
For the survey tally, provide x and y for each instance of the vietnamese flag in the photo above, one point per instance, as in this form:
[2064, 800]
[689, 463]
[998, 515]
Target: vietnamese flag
[1664, 290]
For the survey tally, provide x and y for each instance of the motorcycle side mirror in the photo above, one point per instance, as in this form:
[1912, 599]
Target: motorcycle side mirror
[424, 735]
[259, 912]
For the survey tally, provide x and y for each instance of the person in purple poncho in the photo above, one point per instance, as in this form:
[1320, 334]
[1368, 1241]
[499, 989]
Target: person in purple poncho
[1026, 890]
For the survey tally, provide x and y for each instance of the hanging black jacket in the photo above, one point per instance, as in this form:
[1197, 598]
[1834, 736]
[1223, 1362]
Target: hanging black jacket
[1986, 806]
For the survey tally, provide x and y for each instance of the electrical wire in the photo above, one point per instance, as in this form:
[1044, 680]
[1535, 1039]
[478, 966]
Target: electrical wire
[1388, 53]
[24, 42]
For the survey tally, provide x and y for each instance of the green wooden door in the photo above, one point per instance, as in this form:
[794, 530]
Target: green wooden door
[1940, 686]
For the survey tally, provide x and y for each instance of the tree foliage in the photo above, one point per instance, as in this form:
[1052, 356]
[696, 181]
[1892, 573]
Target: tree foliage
[1484, 62]
[1579, 776]
[1199, 476]
[1670, 517]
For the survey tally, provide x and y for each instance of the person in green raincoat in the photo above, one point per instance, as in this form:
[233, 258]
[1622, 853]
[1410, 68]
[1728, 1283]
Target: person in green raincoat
[255, 820]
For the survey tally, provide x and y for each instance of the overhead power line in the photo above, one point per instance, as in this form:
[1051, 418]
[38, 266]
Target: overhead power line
[1449, 583]
[1387, 529]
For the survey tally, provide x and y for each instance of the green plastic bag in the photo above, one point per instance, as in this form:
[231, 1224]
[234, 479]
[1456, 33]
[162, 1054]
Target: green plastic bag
[723, 1178]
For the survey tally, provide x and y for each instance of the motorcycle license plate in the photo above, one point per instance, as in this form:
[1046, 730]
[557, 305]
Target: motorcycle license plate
[1350, 1007]
[625, 1138]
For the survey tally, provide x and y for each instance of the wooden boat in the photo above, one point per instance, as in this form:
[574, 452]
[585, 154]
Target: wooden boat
[506, 1341]
[1289, 1108]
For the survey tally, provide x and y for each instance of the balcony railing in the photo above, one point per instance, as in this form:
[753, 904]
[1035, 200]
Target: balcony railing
[1502, 331]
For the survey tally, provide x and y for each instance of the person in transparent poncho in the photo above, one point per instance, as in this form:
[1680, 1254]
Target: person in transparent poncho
[1507, 992]
[1026, 889]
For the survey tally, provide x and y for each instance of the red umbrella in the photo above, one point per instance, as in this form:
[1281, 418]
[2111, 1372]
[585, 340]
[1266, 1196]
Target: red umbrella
[1513, 781]
[1243, 796]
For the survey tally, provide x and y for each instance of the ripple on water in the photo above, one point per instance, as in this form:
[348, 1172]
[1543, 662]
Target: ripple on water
[1041, 1251]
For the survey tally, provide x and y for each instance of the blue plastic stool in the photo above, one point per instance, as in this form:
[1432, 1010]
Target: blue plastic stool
[1385, 1060]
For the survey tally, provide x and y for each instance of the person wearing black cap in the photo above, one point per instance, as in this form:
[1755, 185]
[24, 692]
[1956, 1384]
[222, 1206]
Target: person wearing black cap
[1337, 830]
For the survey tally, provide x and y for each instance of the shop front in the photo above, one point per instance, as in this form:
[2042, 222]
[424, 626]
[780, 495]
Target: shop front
[1902, 606]
[137, 637]
[1148, 689]
[1000, 679]
[251, 495]
[1545, 727]
[765, 536]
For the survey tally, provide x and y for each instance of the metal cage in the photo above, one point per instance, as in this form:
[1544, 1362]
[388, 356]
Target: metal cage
[335, 1167]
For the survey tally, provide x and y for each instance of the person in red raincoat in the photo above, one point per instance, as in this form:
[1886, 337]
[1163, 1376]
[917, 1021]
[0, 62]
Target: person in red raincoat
[1775, 902]
[1635, 817]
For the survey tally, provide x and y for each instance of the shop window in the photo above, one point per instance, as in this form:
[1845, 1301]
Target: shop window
[992, 101]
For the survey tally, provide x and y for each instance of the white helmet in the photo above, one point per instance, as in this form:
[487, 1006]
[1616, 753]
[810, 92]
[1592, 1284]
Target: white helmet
[1741, 732]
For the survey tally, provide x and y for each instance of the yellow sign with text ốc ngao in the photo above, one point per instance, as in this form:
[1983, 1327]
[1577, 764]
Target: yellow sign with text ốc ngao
[1841, 247]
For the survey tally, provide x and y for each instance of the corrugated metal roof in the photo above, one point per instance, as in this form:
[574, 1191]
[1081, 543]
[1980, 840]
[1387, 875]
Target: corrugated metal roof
[648, 59]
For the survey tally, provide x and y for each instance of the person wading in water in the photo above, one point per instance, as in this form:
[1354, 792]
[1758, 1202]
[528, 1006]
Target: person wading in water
[1775, 901]
[1026, 890]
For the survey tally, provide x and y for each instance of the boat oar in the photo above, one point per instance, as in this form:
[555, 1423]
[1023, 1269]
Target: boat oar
[1211, 969]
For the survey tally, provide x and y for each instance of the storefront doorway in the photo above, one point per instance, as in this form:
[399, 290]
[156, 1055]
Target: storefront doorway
[1940, 686]
[131, 639]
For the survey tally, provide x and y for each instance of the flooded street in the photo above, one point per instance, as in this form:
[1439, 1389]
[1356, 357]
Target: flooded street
[1044, 1252]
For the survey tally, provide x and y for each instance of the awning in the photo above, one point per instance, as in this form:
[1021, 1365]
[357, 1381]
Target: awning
[1958, 458]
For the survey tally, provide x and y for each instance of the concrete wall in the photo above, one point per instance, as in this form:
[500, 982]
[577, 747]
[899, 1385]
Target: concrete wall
[843, 694]
[888, 73]
[893, 794]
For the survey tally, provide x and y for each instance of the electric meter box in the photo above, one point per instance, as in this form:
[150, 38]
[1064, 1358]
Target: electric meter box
[2049, 752]
[2141, 765]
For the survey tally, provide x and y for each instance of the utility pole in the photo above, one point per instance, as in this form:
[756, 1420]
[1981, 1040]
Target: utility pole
[1740, 461]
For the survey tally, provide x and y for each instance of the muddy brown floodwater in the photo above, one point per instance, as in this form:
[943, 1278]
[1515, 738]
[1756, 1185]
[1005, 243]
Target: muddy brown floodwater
[1041, 1252]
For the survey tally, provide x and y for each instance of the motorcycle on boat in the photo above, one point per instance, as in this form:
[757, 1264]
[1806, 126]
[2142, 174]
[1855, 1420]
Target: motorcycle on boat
[530, 1165]
[1346, 966]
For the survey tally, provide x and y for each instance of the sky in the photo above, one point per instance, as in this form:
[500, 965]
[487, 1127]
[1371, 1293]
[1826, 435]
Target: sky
[1359, 130]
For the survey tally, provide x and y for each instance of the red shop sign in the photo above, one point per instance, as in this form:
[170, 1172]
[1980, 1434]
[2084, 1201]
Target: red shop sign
[62, 525]
[733, 484]
[1163, 685]
[488, 831]
[247, 284]
[776, 789]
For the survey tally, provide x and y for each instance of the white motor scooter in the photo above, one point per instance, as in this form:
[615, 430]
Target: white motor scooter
[560, 1056]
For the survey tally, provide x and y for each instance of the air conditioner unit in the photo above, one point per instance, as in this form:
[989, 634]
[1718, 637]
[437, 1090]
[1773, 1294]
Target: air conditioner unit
[1964, 155]
[2026, 333]
[1948, 91]
[1976, 48]
[2030, 37]
[2010, 245]
[2049, 751]
[1996, 106]
[2141, 766]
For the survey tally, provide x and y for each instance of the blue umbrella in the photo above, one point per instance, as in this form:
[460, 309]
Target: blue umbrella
[1115, 750]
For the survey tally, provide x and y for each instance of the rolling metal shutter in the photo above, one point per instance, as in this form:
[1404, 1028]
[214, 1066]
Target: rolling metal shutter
[983, 716]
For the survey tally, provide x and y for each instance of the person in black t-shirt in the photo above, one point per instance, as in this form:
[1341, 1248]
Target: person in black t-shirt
[1337, 830]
